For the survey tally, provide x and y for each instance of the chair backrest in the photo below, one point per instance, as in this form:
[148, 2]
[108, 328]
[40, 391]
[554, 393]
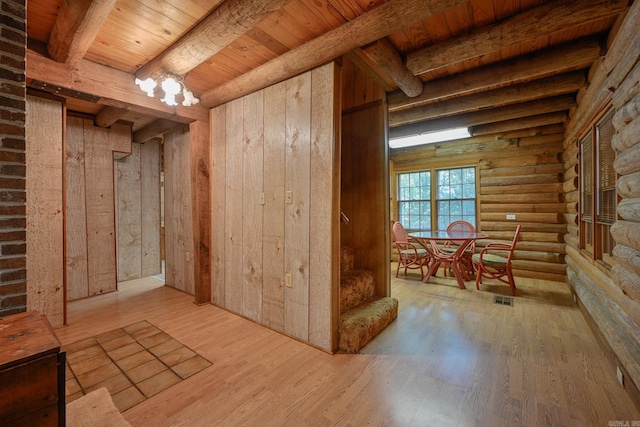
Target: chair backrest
[400, 235]
[461, 226]
[513, 242]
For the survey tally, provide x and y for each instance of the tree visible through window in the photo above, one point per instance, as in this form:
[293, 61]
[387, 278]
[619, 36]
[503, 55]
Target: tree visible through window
[452, 196]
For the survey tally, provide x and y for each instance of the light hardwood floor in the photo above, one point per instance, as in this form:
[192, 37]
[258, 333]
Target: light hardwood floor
[452, 358]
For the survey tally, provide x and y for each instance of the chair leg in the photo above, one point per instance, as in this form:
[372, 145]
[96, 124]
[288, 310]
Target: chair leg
[398, 268]
[512, 282]
[478, 277]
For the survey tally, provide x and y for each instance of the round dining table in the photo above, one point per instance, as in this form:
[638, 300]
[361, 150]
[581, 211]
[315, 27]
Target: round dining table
[434, 241]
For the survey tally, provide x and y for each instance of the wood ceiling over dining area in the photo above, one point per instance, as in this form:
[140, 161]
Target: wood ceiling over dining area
[489, 64]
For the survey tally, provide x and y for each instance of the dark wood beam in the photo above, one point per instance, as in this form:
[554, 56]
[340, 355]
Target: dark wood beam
[378, 23]
[77, 25]
[155, 129]
[216, 31]
[544, 88]
[116, 88]
[503, 127]
[525, 109]
[109, 115]
[572, 56]
[385, 56]
[546, 19]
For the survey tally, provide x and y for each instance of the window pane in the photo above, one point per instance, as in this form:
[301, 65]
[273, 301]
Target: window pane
[456, 194]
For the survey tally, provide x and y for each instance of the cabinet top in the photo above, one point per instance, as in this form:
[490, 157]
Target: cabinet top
[26, 336]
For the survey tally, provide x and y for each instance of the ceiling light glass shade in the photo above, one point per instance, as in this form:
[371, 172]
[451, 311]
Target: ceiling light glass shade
[189, 99]
[147, 85]
[171, 88]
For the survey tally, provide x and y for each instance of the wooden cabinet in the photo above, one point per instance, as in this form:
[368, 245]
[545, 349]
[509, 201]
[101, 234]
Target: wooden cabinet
[32, 372]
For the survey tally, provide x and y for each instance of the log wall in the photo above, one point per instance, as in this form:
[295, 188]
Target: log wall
[90, 205]
[611, 297]
[523, 176]
[44, 206]
[178, 215]
[138, 212]
[275, 206]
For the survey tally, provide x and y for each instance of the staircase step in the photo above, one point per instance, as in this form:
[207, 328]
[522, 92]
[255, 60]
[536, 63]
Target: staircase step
[356, 287]
[347, 258]
[360, 325]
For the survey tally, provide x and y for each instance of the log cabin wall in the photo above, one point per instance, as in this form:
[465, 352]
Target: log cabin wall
[90, 230]
[178, 219]
[45, 231]
[275, 187]
[138, 212]
[610, 297]
[365, 172]
[521, 175]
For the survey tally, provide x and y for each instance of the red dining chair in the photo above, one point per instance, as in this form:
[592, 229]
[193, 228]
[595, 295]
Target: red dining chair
[411, 254]
[452, 246]
[490, 265]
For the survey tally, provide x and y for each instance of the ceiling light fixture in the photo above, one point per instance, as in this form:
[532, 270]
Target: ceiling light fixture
[430, 137]
[172, 86]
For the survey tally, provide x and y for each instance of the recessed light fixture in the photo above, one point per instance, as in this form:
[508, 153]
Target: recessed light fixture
[430, 137]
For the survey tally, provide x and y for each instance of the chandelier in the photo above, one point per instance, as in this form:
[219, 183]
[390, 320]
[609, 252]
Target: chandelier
[172, 86]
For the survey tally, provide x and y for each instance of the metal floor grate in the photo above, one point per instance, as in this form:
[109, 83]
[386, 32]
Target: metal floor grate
[503, 300]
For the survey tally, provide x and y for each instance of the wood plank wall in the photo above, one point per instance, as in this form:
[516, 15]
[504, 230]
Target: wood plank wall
[522, 176]
[612, 297]
[278, 140]
[365, 174]
[90, 205]
[44, 205]
[178, 215]
[138, 212]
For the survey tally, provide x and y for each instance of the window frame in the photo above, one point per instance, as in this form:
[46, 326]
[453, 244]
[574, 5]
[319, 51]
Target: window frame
[433, 200]
[591, 229]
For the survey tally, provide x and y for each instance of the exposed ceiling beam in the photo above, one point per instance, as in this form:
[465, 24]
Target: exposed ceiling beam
[525, 109]
[538, 120]
[155, 129]
[387, 58]
[551, 86]
[116, 88]
[378, 23]
[109, 115]
[76, 27]
[567, 57]
[216, 31]
[543, 20]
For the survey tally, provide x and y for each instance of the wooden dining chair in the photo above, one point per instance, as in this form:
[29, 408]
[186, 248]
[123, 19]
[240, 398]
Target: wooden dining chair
[494, 262]
[411, 254]
[452, 246]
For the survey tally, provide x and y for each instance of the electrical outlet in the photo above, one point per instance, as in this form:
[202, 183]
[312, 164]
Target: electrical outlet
[620, 376]
[288, 197]
[262, 198]
[511, 216]
[288, 280]
[188, 255]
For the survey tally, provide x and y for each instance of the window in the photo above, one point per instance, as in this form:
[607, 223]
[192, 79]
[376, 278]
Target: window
[598, 197]
[450, 193]
[456, 194]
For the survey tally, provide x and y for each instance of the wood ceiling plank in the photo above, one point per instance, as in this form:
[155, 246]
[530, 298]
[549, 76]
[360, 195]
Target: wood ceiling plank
[379, 22]
[553, 16]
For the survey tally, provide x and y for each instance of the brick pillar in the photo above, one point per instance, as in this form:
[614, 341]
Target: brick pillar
[13, 40]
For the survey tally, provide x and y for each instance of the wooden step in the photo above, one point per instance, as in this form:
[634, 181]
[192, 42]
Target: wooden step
[356, 287]
[360, 325]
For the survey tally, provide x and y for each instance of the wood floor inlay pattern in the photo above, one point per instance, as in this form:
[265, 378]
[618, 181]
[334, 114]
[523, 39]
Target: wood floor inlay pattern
[133, 363]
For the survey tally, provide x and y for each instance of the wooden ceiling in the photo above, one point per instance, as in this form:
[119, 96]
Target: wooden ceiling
[480, 63]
